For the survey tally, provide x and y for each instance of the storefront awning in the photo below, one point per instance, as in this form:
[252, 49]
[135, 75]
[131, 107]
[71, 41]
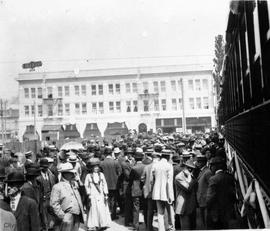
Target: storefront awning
[91, 130]
[116, 129]
[52, 128]
[29, 133]
[71, 132]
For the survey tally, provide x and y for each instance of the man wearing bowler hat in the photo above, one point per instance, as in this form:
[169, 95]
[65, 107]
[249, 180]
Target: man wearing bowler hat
[30, 188]
[162, 181]
[46, 181]
[24, 208]
[220, 197]
[66, 200]
[203, 182]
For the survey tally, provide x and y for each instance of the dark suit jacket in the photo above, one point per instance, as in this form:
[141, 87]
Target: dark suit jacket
[135, 183]
[112, 170]
[27, 215]
[220, 198]
[31, 191]
[203, 182]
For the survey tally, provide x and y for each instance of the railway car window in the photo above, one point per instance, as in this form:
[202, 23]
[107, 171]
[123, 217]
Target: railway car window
[256, 31]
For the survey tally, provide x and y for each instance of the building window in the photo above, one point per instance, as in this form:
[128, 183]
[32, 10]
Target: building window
[163, 104]
[100, 89]
[77, 108]
[190, 85]
[83, 89]
[128, 106]
[117, 88]
[39, 92]
[173, 84]
[118, 106]
[198, 103]
[205, 103]
[49, 92]
[33, 110]
[145, 105]
[66, 90]
[111, 106]
[67, 109]
[26, 92]
[94, 89]
[163, 86]
[135, 105]
[50, 110]
[94, 108]
[60, 109]
[134, 87]
[127, 87]
[60, 91]
[145, 87]
[77, 90]
[197, 85]
[26, 111]
[40, 111]
[111, 89]
[84, 108]
[155, 85]
[180, 103]
[179, 82]
[101, 107]
[33, 93]
[205, 84]
[156, 105]
[191, 103]
[174, 105]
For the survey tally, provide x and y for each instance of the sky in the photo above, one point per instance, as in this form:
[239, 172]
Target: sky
[86, 34]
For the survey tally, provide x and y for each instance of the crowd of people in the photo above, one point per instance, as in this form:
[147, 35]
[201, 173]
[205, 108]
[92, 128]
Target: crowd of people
[183, 179]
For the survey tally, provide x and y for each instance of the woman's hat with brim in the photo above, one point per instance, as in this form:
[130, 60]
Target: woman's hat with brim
[190, 164]
[92, 163]
[15, 177]
[66, 167]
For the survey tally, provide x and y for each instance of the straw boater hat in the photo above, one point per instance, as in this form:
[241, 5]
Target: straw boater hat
[190, 164]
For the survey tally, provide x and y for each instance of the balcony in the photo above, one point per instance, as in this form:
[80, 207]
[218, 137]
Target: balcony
[145, 94]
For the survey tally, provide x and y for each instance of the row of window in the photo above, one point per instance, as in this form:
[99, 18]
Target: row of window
[115, 106]
[98, 89]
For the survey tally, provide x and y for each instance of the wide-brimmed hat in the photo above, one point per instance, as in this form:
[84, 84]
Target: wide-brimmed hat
[66, 167]
[44, 163]
[201, 157]
[116, 150]
[29, 153]
[166, 152]
[15, 177]
[190, 164]
[92, 163]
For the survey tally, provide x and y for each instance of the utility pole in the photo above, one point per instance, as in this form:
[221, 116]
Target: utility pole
[2, 120]
[183, 107]
[5, 120]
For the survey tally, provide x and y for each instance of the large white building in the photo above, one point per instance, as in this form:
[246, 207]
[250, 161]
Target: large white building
[172, 98]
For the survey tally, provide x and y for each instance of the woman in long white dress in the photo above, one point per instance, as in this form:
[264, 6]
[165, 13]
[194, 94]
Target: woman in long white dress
[98, 217]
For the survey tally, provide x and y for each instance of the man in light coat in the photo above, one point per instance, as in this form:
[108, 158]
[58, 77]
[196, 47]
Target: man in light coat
[162, 182]
[66, 200]
[147, 192]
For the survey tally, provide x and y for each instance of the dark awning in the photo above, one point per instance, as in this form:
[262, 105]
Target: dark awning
[71, 132]
[91, 130]
[199, 121]
[116, 129]
[52, 128]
